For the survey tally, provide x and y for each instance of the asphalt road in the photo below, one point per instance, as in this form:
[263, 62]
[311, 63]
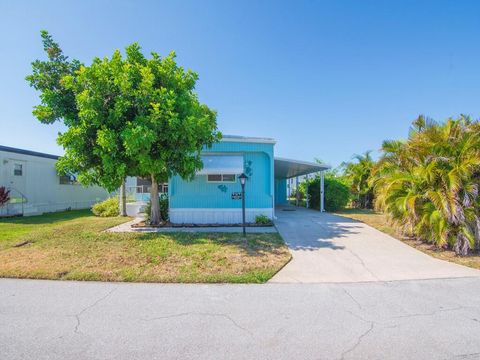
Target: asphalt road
[415, 319]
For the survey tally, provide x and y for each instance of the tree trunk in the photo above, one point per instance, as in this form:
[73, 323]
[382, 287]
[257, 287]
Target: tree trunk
[155, 208]
[123, 200]
[462, 246]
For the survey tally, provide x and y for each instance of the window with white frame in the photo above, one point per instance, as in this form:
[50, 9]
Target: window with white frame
[18, 169]
[221, 177]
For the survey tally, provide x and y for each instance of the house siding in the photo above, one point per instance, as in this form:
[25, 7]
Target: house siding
[40, 184]
[200, 201]
[280, 191]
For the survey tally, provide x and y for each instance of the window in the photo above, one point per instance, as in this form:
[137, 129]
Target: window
[68, 180]
[18, 169]
[228, 177]
[221, 164]
[221, 178]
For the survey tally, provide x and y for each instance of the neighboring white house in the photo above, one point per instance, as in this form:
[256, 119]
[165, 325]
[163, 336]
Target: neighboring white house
[36, 187]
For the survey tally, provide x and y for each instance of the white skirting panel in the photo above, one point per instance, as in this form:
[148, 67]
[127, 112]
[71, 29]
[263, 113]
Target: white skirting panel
[216, 216]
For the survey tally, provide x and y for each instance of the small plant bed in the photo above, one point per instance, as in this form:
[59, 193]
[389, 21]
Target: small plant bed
[168, 224]
[379, 222]
[75, 246]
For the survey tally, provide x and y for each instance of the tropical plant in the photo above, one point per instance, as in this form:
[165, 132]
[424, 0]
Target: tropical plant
[357, 172]
[4, 195]
[428, 185]
[107, 208]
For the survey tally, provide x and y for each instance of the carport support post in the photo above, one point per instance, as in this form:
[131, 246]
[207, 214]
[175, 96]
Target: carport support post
[322, 191]
[306, 192]
[297, 195]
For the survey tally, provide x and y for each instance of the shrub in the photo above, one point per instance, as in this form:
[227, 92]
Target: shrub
[337, 194]
[107, 208]
[163, 199]
[262, 220]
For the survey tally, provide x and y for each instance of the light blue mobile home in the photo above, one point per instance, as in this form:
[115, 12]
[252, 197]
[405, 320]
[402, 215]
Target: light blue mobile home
[213, 196]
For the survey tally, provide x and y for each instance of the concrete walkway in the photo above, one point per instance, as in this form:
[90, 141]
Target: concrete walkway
[127, 227]
[330, 248]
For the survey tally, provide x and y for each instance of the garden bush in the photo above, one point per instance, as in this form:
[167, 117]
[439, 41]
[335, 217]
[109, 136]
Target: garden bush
[107, 208]
[337, 194]
[262, 220]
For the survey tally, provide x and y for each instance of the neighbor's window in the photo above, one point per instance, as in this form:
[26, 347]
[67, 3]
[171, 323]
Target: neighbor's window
[68, 180]
[18, 170]
[221, 178]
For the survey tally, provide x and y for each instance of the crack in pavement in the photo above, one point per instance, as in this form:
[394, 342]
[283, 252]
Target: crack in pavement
[225, 316]
[360, 260]
[358, 342]
[351, 297]
[427, 314]
[465, 356]
[77, 316]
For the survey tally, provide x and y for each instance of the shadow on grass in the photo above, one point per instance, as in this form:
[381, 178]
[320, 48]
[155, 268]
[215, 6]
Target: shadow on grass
[48, 218]
[256, 244]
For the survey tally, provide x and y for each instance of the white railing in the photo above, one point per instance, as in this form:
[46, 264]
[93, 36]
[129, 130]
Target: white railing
[142, 192]
[16, 204]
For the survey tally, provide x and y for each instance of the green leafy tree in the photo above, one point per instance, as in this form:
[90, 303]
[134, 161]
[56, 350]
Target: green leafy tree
[85, 152]
[428, 185]
[170, 127]
[133, 116]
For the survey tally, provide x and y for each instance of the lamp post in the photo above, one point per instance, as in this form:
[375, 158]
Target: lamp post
[243, 179]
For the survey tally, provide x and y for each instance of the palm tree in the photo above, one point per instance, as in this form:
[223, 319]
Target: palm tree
[358, 174]
[428, 185]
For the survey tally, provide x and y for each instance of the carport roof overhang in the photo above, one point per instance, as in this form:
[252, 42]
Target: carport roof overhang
[287, 168]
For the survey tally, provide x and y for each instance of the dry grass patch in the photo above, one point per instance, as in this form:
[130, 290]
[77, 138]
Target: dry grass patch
[72, 245]
[379, 222]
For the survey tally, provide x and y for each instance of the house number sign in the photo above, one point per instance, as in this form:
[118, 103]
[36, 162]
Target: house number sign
[236, 196]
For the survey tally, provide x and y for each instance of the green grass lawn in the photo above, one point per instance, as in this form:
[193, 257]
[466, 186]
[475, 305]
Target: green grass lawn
[379, 222]
[73, 246]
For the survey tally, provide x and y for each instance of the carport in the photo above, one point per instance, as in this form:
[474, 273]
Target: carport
[287, 173]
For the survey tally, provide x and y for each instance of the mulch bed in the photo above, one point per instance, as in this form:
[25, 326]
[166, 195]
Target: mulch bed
[168, 224]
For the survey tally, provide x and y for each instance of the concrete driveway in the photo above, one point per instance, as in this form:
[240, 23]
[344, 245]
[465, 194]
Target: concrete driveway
[330, 248]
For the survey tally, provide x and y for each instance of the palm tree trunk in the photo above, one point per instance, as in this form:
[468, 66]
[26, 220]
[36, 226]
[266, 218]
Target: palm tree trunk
[462, 246]
[155, 208]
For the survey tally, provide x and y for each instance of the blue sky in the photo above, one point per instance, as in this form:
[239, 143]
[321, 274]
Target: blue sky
[325, 79]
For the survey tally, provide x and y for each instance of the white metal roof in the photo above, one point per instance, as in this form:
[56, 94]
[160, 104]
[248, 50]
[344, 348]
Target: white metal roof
[27, 152]
[250, 139]
[288, 168]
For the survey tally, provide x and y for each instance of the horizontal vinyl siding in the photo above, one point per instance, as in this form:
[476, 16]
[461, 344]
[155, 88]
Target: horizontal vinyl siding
[40, 184]
[198, 193]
